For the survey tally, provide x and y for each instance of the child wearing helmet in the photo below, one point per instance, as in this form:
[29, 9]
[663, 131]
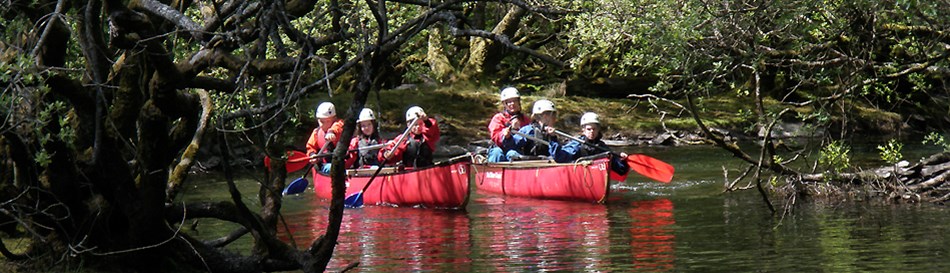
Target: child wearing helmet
[417, 149]
[544, 116]
[327, 133]
[502, 124]
[366, 135]
[590, 133]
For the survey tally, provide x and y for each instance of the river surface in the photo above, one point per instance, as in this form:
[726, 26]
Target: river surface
[686, 225]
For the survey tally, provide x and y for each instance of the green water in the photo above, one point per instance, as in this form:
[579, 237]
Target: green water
[686, 225]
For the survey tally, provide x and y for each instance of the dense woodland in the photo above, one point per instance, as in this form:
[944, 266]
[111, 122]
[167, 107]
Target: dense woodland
[106, 103]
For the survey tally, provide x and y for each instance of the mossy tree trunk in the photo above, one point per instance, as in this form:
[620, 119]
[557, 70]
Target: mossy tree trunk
[486, 54]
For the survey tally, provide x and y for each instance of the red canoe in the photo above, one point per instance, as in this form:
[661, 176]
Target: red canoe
[444, 185]
[584, 180]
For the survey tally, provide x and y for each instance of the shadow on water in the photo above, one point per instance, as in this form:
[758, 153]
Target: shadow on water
[686, 225]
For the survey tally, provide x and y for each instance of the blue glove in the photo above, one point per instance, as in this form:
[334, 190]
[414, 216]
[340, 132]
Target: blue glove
[325, 168]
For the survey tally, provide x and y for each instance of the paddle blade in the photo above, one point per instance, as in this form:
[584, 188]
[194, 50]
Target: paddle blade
[651, 167]
[296, 160]
[298, 186]
[354, 201]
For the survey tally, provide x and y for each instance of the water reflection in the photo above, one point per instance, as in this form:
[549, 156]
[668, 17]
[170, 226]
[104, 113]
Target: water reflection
[500, 233]
[653, 238]
[393, 239]
[541, 235]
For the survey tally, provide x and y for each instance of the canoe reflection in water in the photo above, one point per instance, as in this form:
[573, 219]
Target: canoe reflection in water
[653, 237]
[500, 233]
[393, 239]
[541, 235]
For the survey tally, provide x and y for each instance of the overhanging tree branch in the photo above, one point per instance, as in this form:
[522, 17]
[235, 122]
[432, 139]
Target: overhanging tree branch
[171, 15]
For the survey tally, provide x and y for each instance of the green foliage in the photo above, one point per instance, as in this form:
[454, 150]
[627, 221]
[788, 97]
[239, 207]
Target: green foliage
[777, 158]
[871, 52]
[836, 156]
[936, 139]
[622, 37]
[891, 152]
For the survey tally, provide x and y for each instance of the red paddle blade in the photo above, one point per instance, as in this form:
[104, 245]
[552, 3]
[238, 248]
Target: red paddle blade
[651, 167]
[296, 160]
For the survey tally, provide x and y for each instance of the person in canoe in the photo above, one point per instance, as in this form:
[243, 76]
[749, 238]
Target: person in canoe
[366, 136]
[325, 136]
[591, 134]
[417, 149]
[541, 128]
[501, 125]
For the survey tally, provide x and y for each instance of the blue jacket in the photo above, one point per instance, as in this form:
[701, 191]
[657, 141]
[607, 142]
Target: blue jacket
[528, 147]
[575, 150]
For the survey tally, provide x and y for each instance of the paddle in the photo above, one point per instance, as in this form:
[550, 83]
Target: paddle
[647, 166]
[533, 138]
[356, 200]
[322, 155]
[296, 160]
[300, 184]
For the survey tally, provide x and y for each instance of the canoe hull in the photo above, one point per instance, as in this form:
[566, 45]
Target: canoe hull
[583, 181]
[441, 186]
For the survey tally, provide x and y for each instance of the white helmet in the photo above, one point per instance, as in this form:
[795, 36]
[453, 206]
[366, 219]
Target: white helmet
[414, 112]
[326, 110]
[542, 106]
[509, 92]
[366, 114]
[589, 117]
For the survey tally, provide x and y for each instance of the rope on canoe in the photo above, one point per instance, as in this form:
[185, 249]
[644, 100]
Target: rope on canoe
[587, 174]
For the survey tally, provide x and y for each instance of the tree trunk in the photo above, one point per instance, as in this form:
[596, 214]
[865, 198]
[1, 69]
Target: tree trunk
[439, 64]
[485, 55]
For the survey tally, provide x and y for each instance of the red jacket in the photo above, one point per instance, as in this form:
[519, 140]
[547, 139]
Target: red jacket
[500, 122]
[429, 134]
[318, 137]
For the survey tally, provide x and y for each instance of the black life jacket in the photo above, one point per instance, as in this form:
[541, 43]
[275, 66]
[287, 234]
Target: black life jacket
[367, 157]
[534, 148]
[418, 154]
[587, 150]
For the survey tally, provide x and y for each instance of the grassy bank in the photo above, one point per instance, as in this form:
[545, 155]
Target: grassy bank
[465, 110]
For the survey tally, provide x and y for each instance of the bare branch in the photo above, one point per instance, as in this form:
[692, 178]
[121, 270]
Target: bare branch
[172, 15]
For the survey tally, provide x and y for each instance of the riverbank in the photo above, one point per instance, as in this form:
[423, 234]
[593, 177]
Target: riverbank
[464, 110]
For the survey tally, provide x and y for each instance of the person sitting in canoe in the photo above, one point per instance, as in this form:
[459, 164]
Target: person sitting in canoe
[325, 136]
[542, 128]
[416, 150]
[590, 133]
[501, 125]
[366, 136]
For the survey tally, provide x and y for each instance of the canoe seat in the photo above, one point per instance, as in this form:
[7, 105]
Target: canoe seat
[529, 158]
[370, 171]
